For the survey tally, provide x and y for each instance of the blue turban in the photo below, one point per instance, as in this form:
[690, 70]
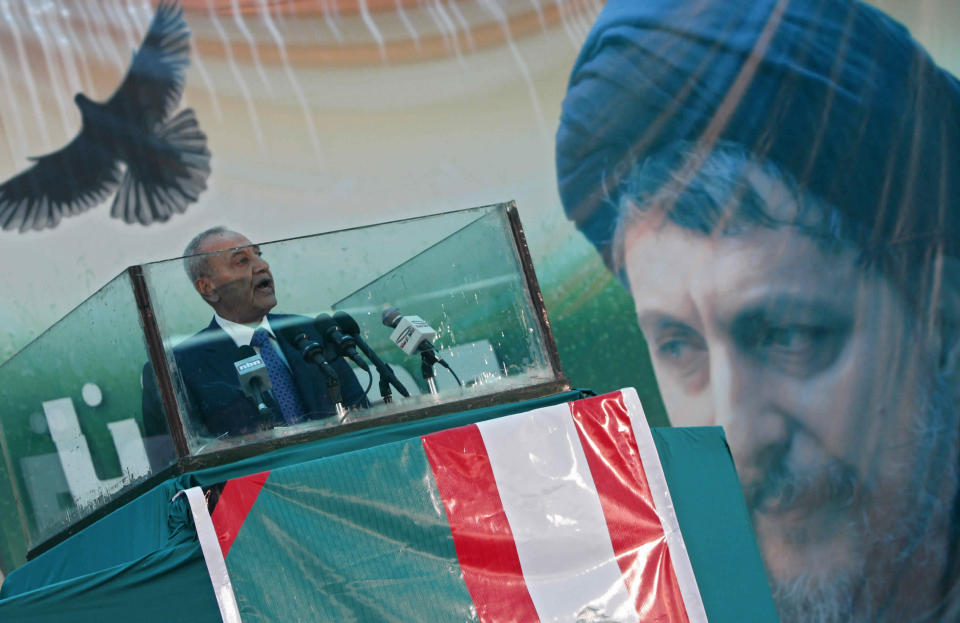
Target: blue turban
[834, 92]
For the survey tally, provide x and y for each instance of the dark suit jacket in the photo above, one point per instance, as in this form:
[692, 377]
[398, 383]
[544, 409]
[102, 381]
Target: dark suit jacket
[205, 363]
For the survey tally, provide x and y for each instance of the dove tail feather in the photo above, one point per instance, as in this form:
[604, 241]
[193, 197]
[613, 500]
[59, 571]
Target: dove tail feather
[164, 179]
[12, 215]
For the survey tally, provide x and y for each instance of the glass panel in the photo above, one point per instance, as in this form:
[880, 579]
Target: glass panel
[72, 433]
[460, 271]
[470, 288]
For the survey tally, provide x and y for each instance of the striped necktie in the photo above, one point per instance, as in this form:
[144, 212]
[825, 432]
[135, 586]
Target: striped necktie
[284, 390]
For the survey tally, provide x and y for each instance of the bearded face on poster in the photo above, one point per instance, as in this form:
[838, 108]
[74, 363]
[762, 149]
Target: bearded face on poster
[777, 184]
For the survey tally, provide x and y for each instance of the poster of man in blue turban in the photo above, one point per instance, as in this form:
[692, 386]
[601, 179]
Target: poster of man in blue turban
[777, 184]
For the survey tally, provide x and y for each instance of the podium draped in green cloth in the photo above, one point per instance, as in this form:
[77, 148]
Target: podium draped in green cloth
[141, 526]
[444, 526]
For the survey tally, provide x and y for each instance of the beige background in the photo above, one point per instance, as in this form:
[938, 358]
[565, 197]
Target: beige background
[300, 148]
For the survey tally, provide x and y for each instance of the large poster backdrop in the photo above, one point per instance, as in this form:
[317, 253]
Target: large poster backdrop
[783, 174]
[776, 184]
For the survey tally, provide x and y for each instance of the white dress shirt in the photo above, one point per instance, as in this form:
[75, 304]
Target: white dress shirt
[242, 334]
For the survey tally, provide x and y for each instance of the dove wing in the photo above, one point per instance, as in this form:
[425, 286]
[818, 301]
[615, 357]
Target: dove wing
[154, 84]
[61, 183]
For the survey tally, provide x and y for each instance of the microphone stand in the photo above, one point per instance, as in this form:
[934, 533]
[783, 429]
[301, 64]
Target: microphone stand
[267, 416]
[313, 353]
[427, 359]
[387, 377]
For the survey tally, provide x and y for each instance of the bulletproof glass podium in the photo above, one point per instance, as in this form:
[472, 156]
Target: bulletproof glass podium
[99, 408]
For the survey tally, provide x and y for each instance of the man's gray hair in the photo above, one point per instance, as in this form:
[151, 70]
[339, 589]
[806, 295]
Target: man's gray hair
[194, 260]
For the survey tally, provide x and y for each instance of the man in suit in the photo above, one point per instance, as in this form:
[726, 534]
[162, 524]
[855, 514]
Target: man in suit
[228, 271]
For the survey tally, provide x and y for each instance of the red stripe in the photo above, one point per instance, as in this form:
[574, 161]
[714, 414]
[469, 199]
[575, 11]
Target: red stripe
[481, 534]
[603, 424]
[234, 505]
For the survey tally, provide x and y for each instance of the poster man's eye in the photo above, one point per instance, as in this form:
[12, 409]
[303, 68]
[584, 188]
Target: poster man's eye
[801, 349]
[680, 348]
[795, 338]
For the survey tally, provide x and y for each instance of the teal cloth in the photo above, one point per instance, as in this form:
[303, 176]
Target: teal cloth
[163, 578]
[170, 584]
[356, 537]
[715, 523]
[140, 527]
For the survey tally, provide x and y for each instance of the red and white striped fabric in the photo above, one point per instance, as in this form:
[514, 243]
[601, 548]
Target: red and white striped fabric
[557, 514]
[563, 514]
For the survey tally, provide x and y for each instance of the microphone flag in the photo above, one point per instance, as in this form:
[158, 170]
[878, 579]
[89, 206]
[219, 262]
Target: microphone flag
[411, 332]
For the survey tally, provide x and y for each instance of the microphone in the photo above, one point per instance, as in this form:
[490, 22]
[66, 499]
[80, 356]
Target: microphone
[413, 334]
[349, 326]
[298, 335]
[410, 333]
[253, 376]
[344, 345]
[391, 316]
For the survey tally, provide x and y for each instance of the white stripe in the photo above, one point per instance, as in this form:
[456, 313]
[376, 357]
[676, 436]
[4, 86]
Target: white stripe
[665, 510]
[554, 512]
[212, 555]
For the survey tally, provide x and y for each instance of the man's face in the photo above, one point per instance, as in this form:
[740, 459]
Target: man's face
[237, 283]
[820, 378]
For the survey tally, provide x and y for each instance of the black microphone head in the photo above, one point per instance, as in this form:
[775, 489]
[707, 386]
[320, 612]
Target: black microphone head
[297, 333]
[391, 317]
[346, 323]
[290, 333]
[333, 334]
[323, 323]
[245, 352]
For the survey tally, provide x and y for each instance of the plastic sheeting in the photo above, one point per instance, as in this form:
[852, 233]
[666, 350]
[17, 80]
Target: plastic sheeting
[558, 514]
[697, 467]
[141, 527]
